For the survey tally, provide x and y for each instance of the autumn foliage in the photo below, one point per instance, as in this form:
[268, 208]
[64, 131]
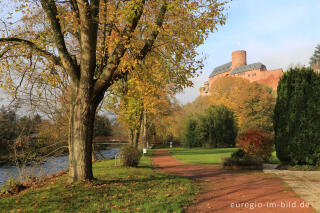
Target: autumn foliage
[256, 142]
[130, 156]
[252, 103]
[91, 45]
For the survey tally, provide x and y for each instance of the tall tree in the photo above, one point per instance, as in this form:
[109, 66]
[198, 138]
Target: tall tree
[95, 43]
[251, 102]
[297, 117]
[315, 59]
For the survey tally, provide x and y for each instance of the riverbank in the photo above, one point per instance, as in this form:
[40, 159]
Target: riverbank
[116, 189]
[50, 166]
[4, 159]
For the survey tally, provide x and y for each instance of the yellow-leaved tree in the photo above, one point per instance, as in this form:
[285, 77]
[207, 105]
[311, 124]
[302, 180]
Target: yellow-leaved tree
[90, 45]
[252, 103]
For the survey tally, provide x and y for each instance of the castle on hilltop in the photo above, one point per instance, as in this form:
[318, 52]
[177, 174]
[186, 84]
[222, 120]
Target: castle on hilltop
[238, 67]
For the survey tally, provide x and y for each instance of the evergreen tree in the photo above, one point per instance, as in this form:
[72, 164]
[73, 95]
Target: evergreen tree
[297, 117]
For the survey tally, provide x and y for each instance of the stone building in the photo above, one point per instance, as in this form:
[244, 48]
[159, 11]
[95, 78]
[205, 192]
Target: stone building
[238, 67]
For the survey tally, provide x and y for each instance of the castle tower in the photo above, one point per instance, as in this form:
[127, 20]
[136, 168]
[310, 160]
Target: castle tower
[239, 58]
[238, 67]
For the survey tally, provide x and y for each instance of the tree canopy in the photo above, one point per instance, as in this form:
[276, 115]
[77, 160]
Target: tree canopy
[252, 103]
[89, 45]
[215, 127]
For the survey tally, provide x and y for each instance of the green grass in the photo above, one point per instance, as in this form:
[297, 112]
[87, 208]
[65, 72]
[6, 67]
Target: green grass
[201, 155]
[116, 189]
[273, 159]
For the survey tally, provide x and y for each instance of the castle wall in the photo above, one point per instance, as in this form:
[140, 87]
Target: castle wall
[212, 79]
[272, 79]
[239, 58]
[267, 77]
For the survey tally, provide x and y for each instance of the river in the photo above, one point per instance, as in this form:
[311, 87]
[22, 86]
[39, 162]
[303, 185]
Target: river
[50, 166]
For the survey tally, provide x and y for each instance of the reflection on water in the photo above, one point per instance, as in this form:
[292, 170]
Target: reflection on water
[50, 166]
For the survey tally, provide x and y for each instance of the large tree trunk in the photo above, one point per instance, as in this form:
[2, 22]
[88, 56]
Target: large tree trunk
[134, 137]
[134, 133]
[80, 145]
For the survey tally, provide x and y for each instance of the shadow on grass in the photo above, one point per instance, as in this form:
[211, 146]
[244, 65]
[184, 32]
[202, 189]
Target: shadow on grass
[167, 177]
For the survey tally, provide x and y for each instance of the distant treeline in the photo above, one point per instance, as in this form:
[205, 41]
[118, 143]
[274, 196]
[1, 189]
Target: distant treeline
[30, 138]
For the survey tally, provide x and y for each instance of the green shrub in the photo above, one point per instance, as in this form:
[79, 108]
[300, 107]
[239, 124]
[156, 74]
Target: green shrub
[297, 117]
[190, 135]
[242, 160]
[217, 127]
[256, 142]
[130, 156]
[238, 154]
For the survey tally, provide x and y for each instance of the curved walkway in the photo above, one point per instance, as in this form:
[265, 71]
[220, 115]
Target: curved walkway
[230, 191]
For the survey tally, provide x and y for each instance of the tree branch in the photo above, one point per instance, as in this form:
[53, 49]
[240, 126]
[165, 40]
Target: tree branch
[18, 41]
[69, 64]
[105, 79]
[149, 42]
[75, 9]
[89, 13]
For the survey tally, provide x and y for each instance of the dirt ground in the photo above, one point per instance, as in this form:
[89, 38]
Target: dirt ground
[230, 191]
[305, 183]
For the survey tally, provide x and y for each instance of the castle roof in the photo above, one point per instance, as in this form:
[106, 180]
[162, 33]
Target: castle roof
[221, 69]
[245, 68]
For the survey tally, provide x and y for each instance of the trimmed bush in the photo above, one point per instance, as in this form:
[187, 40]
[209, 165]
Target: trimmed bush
[256, 142]
[238, 154]
[297, 117]
[130, 156]
[241, 160]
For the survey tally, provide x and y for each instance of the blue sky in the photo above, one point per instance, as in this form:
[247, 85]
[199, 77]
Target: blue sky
[277, 33]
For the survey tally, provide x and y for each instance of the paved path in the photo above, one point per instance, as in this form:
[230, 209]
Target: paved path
[230, 191]
[305, 183]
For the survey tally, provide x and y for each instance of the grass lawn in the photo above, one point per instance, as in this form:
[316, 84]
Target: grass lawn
[273, 159]
[201, 155]
[208, 156]
[116, 189]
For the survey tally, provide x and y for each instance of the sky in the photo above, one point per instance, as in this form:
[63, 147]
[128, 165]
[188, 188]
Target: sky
[277, 33]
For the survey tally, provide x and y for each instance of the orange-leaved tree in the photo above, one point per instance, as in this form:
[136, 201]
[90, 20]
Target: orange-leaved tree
[93, 44]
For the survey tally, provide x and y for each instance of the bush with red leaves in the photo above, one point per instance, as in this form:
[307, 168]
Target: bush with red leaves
[256, 142]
